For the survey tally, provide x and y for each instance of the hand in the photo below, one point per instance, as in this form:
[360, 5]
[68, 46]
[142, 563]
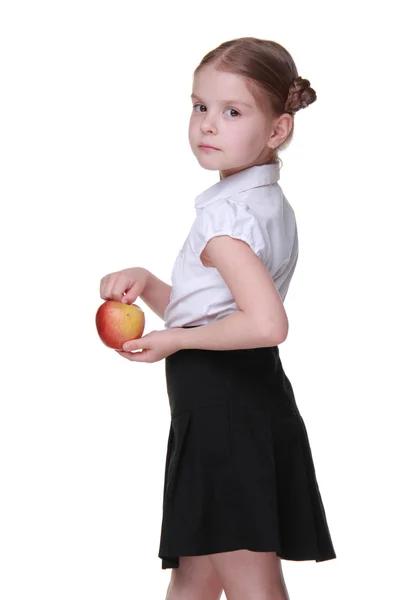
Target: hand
[155, 346]
[130, 282]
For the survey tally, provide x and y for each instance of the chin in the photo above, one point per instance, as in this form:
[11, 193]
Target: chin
[208, 168]
[209, 165]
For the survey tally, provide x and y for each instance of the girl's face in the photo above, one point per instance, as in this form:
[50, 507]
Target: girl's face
[226, 117]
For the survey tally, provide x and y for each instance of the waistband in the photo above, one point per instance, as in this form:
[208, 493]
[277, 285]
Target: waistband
[245, 378]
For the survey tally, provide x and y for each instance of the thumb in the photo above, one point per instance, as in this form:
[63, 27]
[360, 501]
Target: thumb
[133, 345]
[132, 294]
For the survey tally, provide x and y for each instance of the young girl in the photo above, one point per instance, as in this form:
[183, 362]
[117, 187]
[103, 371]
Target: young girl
[240, 489]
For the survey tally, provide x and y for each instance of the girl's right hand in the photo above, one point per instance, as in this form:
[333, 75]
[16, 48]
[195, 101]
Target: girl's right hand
[130, 282]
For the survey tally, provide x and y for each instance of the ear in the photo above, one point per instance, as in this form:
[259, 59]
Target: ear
[280, 130]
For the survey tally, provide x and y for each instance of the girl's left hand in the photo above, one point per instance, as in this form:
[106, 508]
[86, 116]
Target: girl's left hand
[155, 346]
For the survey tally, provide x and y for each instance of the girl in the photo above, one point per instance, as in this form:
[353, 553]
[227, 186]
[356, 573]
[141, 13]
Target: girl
[240, 489]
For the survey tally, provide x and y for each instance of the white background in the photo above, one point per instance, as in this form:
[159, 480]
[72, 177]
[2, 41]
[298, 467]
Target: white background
[96, 176]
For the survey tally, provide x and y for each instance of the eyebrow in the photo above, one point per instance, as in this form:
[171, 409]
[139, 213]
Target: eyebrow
[194, 96]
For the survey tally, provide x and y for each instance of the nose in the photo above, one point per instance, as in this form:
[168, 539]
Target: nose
[208, 124]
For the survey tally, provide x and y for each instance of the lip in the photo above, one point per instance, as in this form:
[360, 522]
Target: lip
[207, 147]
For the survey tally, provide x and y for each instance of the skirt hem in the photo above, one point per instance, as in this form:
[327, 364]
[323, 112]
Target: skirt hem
[172, 562]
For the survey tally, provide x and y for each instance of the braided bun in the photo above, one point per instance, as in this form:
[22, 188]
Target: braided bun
[300, 95]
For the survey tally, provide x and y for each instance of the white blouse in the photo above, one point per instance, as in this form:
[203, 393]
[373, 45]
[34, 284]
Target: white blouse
[249, 206]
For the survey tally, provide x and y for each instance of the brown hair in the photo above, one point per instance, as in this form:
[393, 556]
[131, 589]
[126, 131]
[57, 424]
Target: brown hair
[271, 76]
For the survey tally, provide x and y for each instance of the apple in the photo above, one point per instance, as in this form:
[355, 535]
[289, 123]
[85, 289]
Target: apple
[117, 323]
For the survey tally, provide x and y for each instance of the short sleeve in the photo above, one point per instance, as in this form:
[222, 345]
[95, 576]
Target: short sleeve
[234, 219]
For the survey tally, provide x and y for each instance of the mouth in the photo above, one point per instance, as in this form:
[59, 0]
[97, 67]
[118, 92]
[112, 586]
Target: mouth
[206, 147]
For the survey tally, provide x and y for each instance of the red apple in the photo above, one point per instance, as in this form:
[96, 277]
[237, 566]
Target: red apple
[117, 323]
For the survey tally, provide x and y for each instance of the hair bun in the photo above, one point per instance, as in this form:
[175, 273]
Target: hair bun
[300, 95]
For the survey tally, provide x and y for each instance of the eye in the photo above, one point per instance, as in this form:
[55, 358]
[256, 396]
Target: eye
[205, 108]
[233, 110]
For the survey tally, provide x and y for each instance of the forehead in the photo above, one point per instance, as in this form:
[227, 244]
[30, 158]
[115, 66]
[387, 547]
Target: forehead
[221, 85]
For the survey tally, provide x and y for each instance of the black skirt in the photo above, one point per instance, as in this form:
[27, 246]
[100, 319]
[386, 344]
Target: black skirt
[239, 471]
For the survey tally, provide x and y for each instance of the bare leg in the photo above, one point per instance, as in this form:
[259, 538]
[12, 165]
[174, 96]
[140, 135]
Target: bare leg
[247, 575]
[195, 579]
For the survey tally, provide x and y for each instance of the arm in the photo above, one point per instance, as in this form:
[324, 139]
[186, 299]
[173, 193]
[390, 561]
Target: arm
[156, 294]
[261, 319]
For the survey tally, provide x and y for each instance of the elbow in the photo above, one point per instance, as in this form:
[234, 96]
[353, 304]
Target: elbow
[282, 335]
[275, 333]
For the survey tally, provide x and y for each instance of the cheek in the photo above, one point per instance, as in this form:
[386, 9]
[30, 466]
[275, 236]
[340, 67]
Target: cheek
[254, 139]
[191, 131]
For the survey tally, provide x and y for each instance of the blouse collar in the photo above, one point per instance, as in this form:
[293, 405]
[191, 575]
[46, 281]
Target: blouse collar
[247, 179]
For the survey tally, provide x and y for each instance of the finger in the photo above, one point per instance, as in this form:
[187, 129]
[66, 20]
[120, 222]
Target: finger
[108, 286]
[120, 285]
[138, 344]
[104, 282]
[135, 356]
[113, 286]
[126, 354]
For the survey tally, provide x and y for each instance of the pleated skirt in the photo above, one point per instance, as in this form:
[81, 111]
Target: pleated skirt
[239, 471]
